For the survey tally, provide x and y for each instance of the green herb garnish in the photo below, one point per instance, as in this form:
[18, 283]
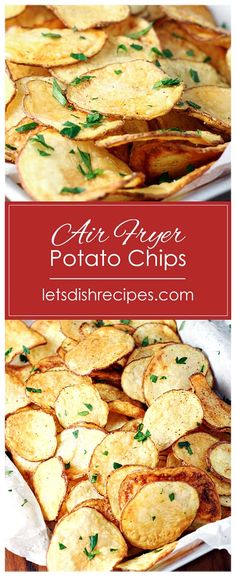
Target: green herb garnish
[76, 433]
[190, 53]
[181, 360]
[10, 147]
[51, 35]
[166, 82]
[171, 496]
[185, 445]
[71, 130]
[193, 104]
[26, 127]
[80, 79]
[79, 56]
[24, 502]
[136, 35]
[137, 47]
[145, 342]
[194, 75]
[118, 72]
[116, 465]
[67, 466]
[90, 174]
[207, 59]
[93, 478]
[140, 436]
[75, 190]
[39, 138]
[153, 378]
[8, 352]
[58, 93]
[32, 390]
[61, 546]
[122, 47]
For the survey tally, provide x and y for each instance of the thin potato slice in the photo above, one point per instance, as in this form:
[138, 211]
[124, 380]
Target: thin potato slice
[115, 421]
[219, 460]
[126, 408]
[117, 449]
[83, 491]
[9, 87]
[84, 17]
[159, 513]
[99, 350]
[132, 426]
[15, 112]
[31, 434]
[76, 446]
[50, 329]
[60, 177]
[195, 137]
[132, 378]
[192, 450]
[51, 363]
[19, 71]
[219, 37]
[175, 159]
[15, 396]
[172, 460]
[179, 43]
[114, 481]
[66, 346]
[15, 141]
[37, 47]
[191, 72]
[81, 402]
[171, 368]
[109, 393]
[152, 333]
[216, 413]
[146, 351]
[12, 11]
[133, 25]
[147, 561]
[40, 105]
[35, 17]
[50, 484]
[72, 329]
[171, 415]
[18, 337]
[102, 506]
[44, 388]
[85, 522]
[130, 94]
[211, 104]
[200, 14]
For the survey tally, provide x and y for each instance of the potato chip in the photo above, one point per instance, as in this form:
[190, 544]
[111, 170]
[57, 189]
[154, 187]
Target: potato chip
[83, 491]
[216, 35]
[165, 429]
[115, 421]
[114, 481]
[15, 396]
[50, 483]
[42, 106]
[191, 72]
[195, 137]
[171, 160]
[117, 449]
[150, 333]
[19, 71]
[211, 104]
[137, 26]
[100, 171]
[209, 507]
[22, 373]
[132, 426]
[9, 87]
[159, 513]
[72, 329]
[42, 47]
[15, 139]
[147, 561]
[219, 460]
[26, 467]
[50, 363]
[171, 368]
[84, 540]
[132, 378]
[31, 434]
[99, 350]
[81, 402]
[76, 446]
[200, 14]
[143, 90]
[19, 338]
[173, 39]
[84, 17]
[216, 413]
[44, 388]
[15, 112]
[50, 329]
[192, 450]
[12, 11]
[35, 17]
[126, 408]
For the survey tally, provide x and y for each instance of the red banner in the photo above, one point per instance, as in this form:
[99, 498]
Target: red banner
[137, 260]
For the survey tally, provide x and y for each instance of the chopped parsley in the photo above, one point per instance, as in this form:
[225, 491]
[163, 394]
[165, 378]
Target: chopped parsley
[24, 502]
[136, 47]
[94, 118]
[136, 35]
[32, 390]
[73, 190]
[51, 35]
[39, 138]
[190, 168]
[93, 539]
[185, 445]
[118, 72]
[43, 153]
[181, 360]
[89, 407]
[8, 351]
[122, 47]
[93, 478]
[83, 413]
[71, 130]
[190, 53]
[153, 378]
[145, 342]
[167, 53]
[154, 517]
[61, 546]
[180, 103]
[26, 127]
[164, 177]
[207, 59]
[99, 324]
[125, 322]
[171, 496]
[194, 75]
[67, 466]
[105, 453]
[202, 368]
[158, 64]
[140, 436]
[166, 82]
[9, 473]
[182, 325]
[111, 550]
[116, 465]
[10, 147]
[193, 104]
[79, 56]
[76, 433]
[58, 93]
[80, 79]
[86, 159]
[34, 369]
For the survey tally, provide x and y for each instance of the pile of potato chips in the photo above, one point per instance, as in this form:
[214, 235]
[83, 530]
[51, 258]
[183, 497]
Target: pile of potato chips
[105, 104]
[118, 429]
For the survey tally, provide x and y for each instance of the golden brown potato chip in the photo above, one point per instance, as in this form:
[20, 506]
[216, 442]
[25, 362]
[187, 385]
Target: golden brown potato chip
[52, 362]
[132, 426]
[42, 47]
[219, 460]
[84, 540]
[213, 34]
[76, 446]
[19, 338]
[115, 421]
[139, 90]
[99, 350]
[211, 104]
[216, 413]
[31, 434]
[200, 14]
[159, 513]
[114, 481]
[147, 561]
[11, 11]
[150, 333]
[44, 388]
[132, 378]
[126, 408]
[117, 449]
[81, 402]
[84, 17]
[192, 450]
[172, 460]
[19, 71]
[66, 345]
[171, 368]
[175, 40]
[9, 87]
[42, 106]
[83, 491]
[171, 415]
[191, 72]
[34, 17]
[15, 112]
[50, 329]
[110, 393]
[15, 396]
[175, 159]
[50, 484]
[15, 141]
[61, 179]
[72, 329]
[195, 137]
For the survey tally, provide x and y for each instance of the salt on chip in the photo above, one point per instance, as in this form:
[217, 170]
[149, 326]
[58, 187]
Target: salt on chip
[31, 434]
[171, 415]
[61, 179]
[50, 484]
[216, 412]
[19, 336]
[81, 402]
[50, 329]
[40, 105]
[147, 561]
[99, 350]
[37, 46]
[219, 460]
[171, 368]
[117, 449]
[211, 104]
[12, 11]
[159, 513]
[155, 332]
[84, 17]
[129, 94]
[15, 396]
[85, 522]
[75, 446]
[44, 388]
[81, 492]
[114, 481]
